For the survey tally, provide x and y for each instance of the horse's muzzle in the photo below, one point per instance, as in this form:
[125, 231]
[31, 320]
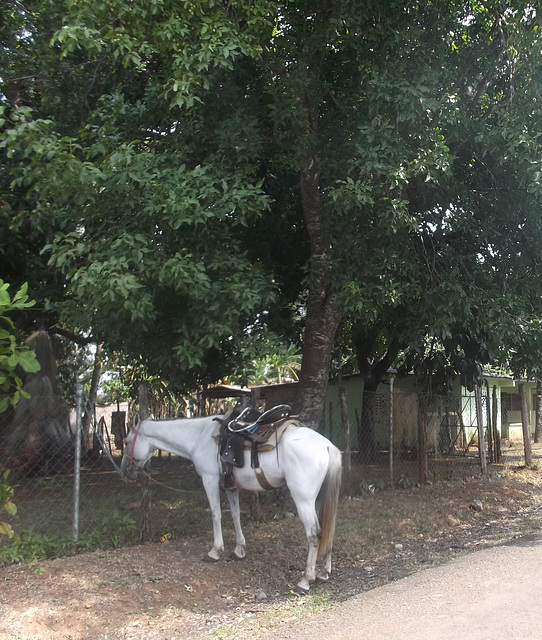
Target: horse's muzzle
[128, 470]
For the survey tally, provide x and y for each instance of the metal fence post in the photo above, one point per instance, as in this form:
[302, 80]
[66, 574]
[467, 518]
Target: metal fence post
[480, 423]
[77, 466]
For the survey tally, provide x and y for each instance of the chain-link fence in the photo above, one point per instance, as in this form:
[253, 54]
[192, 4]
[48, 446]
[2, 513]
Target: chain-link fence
[402, 438]
[64, 461]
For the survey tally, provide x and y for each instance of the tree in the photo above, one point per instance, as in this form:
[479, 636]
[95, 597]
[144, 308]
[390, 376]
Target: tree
[271, 166]
[426, 204]
[456, 203]
[170, 245]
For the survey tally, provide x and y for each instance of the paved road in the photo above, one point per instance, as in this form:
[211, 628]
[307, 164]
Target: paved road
[495, 594]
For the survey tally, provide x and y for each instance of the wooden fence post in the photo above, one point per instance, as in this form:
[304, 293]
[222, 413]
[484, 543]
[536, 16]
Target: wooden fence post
[422, 438]
[495, 427]
[118, 429]
[538, 419]
[343, 403]
[526, 426]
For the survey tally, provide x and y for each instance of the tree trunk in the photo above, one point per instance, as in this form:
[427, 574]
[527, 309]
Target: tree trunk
[92, 396]
[144, 411]
[322, 315]
[373, 372]
[320, 327]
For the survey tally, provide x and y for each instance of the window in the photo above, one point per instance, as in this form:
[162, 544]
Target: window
[511, 401]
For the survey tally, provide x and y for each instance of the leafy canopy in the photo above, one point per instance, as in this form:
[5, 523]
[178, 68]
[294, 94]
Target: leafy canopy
[156, 149]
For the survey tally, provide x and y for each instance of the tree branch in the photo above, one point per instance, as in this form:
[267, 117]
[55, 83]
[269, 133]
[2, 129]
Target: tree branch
[78, 339]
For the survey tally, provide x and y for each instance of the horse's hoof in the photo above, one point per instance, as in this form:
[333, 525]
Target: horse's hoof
[322, 577]
[208, 558]
[298, 590]
[234, 556]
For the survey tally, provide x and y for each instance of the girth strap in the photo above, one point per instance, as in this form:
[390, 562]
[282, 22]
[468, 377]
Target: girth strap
[260, 477]
[233, 445]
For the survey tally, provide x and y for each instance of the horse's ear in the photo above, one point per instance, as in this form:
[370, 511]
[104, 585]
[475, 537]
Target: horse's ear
[137, 420]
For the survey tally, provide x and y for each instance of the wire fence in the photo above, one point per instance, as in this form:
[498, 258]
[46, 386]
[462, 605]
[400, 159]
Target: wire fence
[403, 438]
[63, 462]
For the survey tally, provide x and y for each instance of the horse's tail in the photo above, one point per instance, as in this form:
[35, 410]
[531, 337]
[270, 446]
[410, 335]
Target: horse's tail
[328, 500]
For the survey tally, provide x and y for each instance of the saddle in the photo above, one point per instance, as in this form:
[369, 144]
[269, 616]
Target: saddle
[249, 430]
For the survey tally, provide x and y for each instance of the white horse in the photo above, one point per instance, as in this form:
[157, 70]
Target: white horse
[304, 460]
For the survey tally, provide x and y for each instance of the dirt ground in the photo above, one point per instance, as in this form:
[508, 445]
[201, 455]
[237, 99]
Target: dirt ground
[163, 590]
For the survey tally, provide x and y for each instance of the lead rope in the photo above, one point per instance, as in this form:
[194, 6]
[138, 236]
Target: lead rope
[109, 455]
[167, 486]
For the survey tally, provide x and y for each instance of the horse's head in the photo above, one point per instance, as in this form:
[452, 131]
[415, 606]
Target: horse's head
[137, 450]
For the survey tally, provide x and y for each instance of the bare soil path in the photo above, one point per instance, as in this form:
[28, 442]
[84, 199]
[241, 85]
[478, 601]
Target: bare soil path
[494, 593]
[163, 591]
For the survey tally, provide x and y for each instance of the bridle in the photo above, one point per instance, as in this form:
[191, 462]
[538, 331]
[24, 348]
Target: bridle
[135, 431]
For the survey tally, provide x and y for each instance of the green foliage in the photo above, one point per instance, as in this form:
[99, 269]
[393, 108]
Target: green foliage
[273, 368]
[115, 530]
[192, 39]
[155, 153]
[116, 390]
[6, 504]
[432, 256]
[29, 547]
[13, 356]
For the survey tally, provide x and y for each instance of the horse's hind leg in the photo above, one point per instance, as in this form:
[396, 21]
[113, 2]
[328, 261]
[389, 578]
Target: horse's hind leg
[309, 519]
[310, 569]
[240, 543]
[325, 570]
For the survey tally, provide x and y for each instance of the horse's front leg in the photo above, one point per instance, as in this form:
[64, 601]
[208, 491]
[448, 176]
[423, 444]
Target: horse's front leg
[240, 543]
[212, 489]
